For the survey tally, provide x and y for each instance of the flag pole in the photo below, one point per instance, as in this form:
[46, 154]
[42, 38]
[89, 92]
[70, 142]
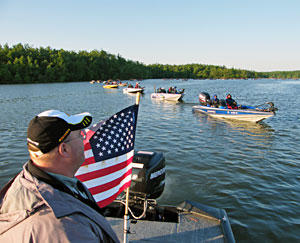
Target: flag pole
[126, 215]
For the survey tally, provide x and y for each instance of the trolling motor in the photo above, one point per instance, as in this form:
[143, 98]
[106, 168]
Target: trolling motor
[271, 107]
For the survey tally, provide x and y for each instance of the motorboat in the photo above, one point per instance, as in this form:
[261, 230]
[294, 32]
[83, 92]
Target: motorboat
[167, 96]
[133, 90]
[171, 95]
[241, 113]
[111, 86]
[151, 222]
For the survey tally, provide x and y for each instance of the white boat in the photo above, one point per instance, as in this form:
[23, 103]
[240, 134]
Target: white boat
[133, 90]
[167, 96]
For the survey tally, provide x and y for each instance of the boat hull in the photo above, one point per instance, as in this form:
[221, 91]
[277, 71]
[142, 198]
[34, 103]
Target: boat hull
[166, 96]
[133, 90]
[111, 86]
[235, 114]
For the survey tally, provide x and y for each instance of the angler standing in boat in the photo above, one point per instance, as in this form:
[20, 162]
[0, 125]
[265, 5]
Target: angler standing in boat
[45, 202]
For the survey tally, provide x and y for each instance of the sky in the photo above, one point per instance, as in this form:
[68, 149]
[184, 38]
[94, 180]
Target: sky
[257, 35]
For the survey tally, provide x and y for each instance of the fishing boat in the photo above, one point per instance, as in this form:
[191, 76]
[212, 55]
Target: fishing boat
[171, 95]
[167, 96]
[133, 90]
[150, 222]
[241, 113]
[110, 86]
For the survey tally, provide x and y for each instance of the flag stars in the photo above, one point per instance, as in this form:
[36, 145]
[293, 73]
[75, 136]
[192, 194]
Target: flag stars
[115, 136]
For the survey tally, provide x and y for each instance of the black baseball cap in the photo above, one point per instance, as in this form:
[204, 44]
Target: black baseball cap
[49, 128]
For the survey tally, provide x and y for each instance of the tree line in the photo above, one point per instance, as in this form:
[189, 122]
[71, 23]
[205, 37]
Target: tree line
[25, 64]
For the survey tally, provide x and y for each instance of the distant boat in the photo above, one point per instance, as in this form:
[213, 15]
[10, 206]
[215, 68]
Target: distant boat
[251, 115]
[110, 86]
[134, 90]
[167, 96]
[243, 113]
[172, 95]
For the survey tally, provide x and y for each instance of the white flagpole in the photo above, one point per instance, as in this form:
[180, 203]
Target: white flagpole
[126, 215]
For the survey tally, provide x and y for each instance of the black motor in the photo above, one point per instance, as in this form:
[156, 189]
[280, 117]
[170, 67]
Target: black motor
[148, 174]
[204, 98]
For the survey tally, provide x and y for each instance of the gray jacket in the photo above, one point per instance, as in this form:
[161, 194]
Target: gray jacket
[34, 211]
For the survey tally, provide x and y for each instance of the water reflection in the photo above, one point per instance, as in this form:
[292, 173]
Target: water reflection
[250, 127]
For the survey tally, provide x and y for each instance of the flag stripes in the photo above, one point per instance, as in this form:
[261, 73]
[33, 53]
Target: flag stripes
[109, 150]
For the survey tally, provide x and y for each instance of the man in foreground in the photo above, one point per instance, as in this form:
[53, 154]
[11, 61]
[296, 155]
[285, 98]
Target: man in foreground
[45, 202]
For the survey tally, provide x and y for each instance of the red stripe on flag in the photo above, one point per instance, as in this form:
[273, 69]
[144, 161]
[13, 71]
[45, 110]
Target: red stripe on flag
[89, 161]
[109, 185]
[103, 172]
[110, 199]
[87, 146]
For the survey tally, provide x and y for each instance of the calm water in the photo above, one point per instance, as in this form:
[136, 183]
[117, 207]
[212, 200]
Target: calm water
[250, 170]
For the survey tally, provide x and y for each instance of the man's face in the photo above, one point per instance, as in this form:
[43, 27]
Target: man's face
[75, 140]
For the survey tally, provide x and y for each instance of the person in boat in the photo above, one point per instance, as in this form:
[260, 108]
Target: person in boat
[137, 85]
[175, 90]
[161, 90]
[171, 90]
[215, 101]
[231, 104]
[130, 86]
[45, 202]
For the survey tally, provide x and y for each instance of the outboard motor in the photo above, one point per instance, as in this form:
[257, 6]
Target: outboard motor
[204, 98]
[148, 175]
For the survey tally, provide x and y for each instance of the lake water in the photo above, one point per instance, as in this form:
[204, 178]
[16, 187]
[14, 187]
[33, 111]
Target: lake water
[250, 170]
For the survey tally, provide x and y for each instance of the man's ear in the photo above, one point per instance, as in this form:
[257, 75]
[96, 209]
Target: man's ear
[64, 150]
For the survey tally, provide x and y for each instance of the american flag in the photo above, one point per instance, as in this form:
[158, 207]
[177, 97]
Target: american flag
[108, 148]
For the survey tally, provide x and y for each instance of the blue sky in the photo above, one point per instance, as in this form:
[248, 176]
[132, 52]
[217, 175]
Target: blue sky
[259, 35]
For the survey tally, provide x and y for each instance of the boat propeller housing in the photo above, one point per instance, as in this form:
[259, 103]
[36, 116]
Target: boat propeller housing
[148, 175]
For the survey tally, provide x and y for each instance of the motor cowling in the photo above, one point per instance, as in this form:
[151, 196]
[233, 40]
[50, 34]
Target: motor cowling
[204, 98]
[148, 174]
